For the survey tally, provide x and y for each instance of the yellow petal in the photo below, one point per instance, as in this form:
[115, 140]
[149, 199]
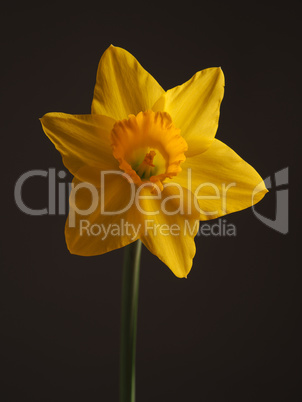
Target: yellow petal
[221, 181]
[83, 141]
[91, 227]
[195, 107]
[123, 86]
[166, 222]
[170, 233]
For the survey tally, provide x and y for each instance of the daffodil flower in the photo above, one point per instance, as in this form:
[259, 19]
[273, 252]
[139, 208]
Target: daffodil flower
[155, 148]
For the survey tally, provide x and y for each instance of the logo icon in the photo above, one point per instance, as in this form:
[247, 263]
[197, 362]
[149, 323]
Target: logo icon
[280, 223]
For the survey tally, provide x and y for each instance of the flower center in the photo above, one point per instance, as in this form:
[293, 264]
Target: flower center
[148, 147]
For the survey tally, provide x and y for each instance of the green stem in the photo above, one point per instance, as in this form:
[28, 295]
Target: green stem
[129, 320]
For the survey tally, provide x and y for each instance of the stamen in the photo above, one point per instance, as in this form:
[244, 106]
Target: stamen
[149, 158]
[144, 169]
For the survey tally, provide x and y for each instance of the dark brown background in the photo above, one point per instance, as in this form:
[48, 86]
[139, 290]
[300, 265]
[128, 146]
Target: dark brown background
[230, 331]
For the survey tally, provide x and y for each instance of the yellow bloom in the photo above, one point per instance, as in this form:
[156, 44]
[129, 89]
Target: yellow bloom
[146, 163]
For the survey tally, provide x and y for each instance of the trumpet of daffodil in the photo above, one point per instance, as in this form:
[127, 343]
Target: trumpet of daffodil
[146, 163]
